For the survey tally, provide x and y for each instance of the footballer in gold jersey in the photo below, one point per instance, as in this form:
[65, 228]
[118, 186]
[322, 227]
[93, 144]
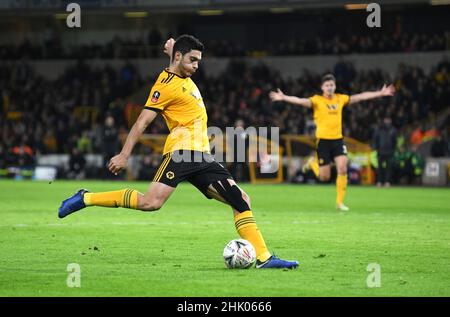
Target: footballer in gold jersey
[327, 111]
[186, 155]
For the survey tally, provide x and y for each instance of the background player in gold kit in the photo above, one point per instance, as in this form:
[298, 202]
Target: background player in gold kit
[186, 153]
[327, 109]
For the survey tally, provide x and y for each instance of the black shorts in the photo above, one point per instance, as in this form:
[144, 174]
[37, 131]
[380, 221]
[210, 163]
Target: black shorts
[327, 150]
[198, 168]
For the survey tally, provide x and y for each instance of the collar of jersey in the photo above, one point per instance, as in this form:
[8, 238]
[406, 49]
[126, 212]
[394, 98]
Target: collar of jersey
[329, 98]
[169, 72]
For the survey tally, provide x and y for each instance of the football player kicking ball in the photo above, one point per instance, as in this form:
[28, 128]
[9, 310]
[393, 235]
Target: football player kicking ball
[330, 146]
[186, 153]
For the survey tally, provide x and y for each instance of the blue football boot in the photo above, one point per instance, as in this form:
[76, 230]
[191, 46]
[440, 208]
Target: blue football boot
[275, 262]
[72, 204]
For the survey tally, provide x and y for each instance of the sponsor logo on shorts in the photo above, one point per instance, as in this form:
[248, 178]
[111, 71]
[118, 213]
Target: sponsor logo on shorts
[170, 174]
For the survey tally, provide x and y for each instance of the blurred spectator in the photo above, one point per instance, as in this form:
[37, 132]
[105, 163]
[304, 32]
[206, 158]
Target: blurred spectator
[84, 144]
[3, 160]
[111, 142]
[408, 166]
[403, 169]
[335, 43]
[439, 148]
[240, 145]
[50, 142]
[430, 134]
[384, 142]
[23, 156]
[154, 41]
[417, 135]
[417, 163]
[77, 165]
[149, 166]
[7, 157]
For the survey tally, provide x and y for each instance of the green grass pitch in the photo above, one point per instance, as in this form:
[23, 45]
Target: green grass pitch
[177, 251]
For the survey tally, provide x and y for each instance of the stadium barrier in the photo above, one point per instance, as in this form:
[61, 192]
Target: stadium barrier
[437, 172]
[288, 159]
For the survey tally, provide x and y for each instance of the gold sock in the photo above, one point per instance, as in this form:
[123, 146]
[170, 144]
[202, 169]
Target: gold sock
[126, 198]
[248, 230]
[341, 186]
[315, 166]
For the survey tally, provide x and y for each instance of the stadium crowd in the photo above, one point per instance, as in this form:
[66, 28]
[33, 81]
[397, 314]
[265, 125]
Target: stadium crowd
[41, 116]
[51, 47]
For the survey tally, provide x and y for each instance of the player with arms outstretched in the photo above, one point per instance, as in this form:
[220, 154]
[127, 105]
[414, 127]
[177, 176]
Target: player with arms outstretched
[327, 109]
[186, 153]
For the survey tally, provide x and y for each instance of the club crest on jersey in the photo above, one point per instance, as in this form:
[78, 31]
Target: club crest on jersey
[332, 107]
[155, 96]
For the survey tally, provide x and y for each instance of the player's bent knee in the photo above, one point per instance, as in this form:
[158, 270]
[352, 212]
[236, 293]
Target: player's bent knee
[342, 170]
[247, 199]
[237, 199]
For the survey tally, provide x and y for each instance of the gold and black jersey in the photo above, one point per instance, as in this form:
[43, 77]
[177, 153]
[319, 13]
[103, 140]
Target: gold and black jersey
[328, 115]
[180, 103]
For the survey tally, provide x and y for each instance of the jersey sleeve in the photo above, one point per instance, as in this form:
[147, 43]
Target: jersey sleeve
[160, 97]
[345, 100]
[313, 100]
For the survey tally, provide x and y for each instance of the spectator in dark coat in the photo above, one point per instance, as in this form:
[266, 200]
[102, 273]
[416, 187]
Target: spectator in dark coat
[77, 164]
[384, 142]
[111, 142]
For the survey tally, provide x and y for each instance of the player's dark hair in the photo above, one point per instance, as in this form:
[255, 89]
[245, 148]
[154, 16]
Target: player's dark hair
[186, 43]
[328, 77]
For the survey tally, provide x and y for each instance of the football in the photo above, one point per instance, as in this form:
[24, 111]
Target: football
[239, 254]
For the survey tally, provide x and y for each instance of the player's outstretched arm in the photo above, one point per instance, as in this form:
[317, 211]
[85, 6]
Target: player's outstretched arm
[383, 92]
[119, 162]
[280, 96]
